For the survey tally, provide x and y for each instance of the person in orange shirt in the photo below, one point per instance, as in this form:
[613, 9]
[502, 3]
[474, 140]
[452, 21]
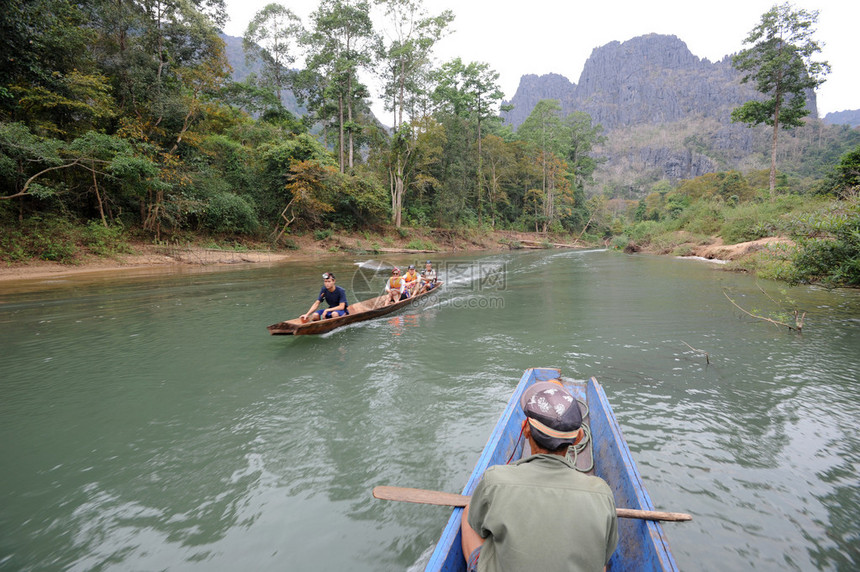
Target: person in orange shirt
[396, 287]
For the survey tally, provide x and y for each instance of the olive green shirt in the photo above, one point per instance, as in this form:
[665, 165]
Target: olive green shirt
[540, 513]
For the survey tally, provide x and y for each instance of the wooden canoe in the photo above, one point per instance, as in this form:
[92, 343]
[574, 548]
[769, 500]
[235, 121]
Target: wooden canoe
[642, 545]
[358, 312]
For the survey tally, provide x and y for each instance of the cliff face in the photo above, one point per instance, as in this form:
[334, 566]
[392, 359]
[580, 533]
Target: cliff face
[849, 117]
[242, 69]
[651, 79]
[654, 80]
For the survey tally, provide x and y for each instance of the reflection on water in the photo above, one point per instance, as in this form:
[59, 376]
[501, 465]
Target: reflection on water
[154, 424]
[400, 325]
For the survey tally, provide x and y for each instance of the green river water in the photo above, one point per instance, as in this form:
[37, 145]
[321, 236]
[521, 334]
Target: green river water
[150, 422]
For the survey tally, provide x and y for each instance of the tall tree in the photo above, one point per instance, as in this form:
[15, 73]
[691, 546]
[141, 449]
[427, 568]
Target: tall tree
[781, 63]
[544, 129]
[472, 92]
[582, 135]
[273, 36]
[341, 42]
[500, 161]
[411, 36]
[486, 95]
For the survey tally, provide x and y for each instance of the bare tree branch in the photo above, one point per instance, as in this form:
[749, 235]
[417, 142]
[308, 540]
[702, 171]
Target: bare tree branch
[707, 357]
[798, 325]
[24, 190]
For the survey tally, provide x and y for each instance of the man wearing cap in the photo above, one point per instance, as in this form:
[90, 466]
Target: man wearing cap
[411, 278]
[335, 297]
[540, 513]
[428, 277]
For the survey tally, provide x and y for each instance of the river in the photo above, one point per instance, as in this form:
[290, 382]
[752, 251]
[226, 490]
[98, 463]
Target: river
[151, 423]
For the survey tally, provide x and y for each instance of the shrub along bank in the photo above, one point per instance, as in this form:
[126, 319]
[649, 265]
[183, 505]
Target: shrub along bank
[821, 225]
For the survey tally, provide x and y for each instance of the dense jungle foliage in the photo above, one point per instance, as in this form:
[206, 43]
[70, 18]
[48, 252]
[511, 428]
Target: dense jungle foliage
[120, 120]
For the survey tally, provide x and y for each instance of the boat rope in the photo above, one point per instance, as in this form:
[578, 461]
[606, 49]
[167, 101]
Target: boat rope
[575, 450]
[518, 446]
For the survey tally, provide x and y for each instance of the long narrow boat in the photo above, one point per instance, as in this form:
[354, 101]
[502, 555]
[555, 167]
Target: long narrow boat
[358, 312]
[642, 545]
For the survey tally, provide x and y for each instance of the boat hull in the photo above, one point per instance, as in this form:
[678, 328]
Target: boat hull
[359, 312]
[642, 545]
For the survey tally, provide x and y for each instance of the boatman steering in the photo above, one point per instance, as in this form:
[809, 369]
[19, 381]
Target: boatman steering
[540, 513]
[428, 277]
[335, 297]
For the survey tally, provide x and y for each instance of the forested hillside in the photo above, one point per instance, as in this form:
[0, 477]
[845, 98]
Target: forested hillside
[125, 120]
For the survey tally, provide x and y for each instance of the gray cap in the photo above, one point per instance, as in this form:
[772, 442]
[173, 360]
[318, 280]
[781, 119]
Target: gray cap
[553, 414]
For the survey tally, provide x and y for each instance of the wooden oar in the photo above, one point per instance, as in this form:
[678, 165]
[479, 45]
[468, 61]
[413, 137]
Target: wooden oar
[424, 496]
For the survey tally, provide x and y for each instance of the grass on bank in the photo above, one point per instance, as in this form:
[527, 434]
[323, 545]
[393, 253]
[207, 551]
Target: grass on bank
[57, 239]
[825, 232]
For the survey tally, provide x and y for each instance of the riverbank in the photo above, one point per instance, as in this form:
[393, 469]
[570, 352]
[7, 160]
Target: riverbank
[144, 255]
[718, 250]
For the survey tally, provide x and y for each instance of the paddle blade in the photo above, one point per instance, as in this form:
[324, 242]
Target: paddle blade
[653, 515]
[420, 496]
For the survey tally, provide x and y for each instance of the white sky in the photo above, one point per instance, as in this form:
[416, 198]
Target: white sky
[557, 36]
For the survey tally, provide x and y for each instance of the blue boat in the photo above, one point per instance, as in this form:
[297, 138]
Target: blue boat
[642, 545]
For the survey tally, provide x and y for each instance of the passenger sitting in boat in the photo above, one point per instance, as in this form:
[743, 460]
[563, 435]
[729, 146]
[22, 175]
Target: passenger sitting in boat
[396, 287]
[428, 277]
[540, 513]
[335, 297]
[412, 279]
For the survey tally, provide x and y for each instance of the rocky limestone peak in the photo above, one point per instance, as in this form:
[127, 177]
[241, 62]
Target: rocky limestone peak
[645, 80]
[532, 89]
[653, 80]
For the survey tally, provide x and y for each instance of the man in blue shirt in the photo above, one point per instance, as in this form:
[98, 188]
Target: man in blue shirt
[335, 297]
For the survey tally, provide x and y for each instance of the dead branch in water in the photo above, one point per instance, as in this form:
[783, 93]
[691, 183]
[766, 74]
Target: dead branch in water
[798, 321]
[769, 297]
[707, 357]
[584, 228]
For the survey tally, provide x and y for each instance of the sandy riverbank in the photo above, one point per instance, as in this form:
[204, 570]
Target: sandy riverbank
[727, 252]
[143, 258]
[714, 249]
[148, 257]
